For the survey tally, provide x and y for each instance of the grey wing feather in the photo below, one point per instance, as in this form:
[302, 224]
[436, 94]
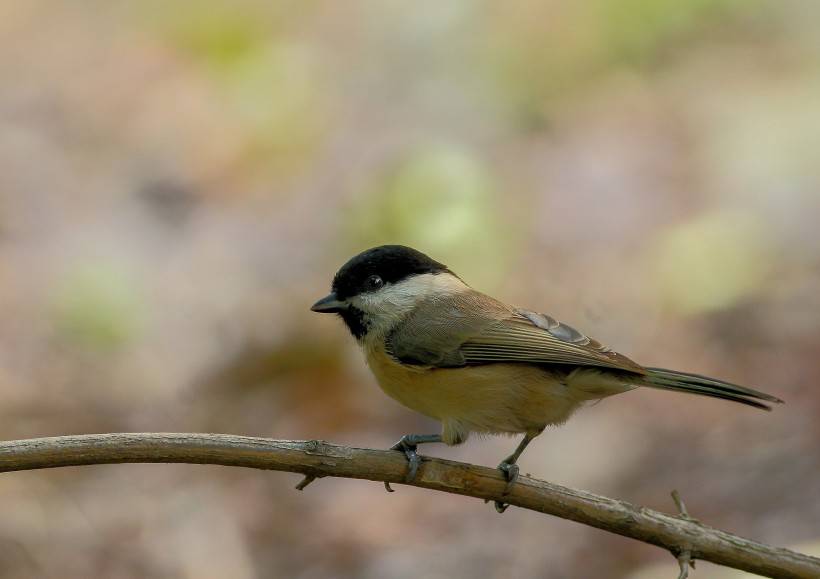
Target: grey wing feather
[435, 332]
[538, 338]
[446, 333]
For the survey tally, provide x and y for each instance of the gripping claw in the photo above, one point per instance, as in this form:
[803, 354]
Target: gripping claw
[408, 445]
[510, 471]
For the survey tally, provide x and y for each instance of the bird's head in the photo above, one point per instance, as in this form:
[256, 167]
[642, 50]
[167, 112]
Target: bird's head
[377, 288]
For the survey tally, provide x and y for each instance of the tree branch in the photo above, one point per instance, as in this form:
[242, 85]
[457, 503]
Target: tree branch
[677, 534]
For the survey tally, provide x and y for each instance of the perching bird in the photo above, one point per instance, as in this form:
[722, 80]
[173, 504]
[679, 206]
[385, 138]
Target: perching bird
[476, 364]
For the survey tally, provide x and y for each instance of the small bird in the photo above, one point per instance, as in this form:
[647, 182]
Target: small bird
[476, 364]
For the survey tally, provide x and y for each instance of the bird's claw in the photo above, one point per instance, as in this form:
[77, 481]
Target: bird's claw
[408, 447]
[511, 471]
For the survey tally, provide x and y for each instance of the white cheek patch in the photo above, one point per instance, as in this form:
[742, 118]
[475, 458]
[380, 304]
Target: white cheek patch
[396, 298]
[393, 302]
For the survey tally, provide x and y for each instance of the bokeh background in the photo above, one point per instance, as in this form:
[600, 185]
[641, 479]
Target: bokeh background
[180, 180]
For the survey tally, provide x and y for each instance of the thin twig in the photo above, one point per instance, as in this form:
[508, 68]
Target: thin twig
[679, 503]
[684, 556]
[309, 478]
[684, 560]
[317, 459]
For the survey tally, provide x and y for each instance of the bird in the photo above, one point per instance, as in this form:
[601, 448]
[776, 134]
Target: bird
[478, 365]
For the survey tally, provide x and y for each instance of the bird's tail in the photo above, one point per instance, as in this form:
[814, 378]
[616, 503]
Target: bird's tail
[705, 386]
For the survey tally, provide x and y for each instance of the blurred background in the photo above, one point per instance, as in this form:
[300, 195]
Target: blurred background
[179, 182]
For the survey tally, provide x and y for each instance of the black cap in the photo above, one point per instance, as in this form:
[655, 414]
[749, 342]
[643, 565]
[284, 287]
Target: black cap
[392, 263]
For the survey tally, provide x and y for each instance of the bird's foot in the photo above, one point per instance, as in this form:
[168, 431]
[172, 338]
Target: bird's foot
[511, 471]
[408, 445]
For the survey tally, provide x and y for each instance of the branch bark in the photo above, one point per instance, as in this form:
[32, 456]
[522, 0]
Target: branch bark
[677, 534]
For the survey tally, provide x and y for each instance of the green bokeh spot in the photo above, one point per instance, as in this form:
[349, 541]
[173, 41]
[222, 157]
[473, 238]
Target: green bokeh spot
[98, 307]
[267, 83]
[713, 262]
[441, 200]
[635, 30]
[217, 35]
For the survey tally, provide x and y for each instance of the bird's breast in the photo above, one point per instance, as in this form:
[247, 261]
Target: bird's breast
[412, 386]
[493, 398]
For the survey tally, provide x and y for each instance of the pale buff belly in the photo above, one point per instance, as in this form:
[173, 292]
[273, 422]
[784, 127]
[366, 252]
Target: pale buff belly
[496, 398]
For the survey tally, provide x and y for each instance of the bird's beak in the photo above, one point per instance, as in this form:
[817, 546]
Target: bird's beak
[329, 304]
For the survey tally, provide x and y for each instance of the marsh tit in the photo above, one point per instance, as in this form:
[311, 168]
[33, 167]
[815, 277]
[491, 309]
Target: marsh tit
[476, 364]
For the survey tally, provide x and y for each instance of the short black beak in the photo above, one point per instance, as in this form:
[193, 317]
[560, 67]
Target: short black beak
[329, 305]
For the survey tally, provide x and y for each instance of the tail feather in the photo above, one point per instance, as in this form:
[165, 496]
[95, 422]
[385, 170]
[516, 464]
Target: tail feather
[705, 386]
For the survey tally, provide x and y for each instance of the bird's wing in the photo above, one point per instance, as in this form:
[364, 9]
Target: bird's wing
[538, 338]
[447, 333]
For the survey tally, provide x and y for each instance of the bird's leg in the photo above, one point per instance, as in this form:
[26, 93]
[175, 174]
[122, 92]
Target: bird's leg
[408, 445]
[510, 469]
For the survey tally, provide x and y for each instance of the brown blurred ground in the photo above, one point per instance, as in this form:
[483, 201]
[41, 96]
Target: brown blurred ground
[179, 181]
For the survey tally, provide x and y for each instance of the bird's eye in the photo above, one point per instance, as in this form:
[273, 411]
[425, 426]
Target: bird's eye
[374, 282]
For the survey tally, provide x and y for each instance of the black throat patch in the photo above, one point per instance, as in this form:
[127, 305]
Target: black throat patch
[355, 321]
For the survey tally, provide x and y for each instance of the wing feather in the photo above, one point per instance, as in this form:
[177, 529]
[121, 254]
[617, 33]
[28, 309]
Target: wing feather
[445, 333]
[537, 338]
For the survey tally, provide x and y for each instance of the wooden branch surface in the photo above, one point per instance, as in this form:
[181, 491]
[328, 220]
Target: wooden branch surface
[316, 458]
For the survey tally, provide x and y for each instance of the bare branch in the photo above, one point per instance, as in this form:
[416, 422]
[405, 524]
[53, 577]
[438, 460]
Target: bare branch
[319, 459]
